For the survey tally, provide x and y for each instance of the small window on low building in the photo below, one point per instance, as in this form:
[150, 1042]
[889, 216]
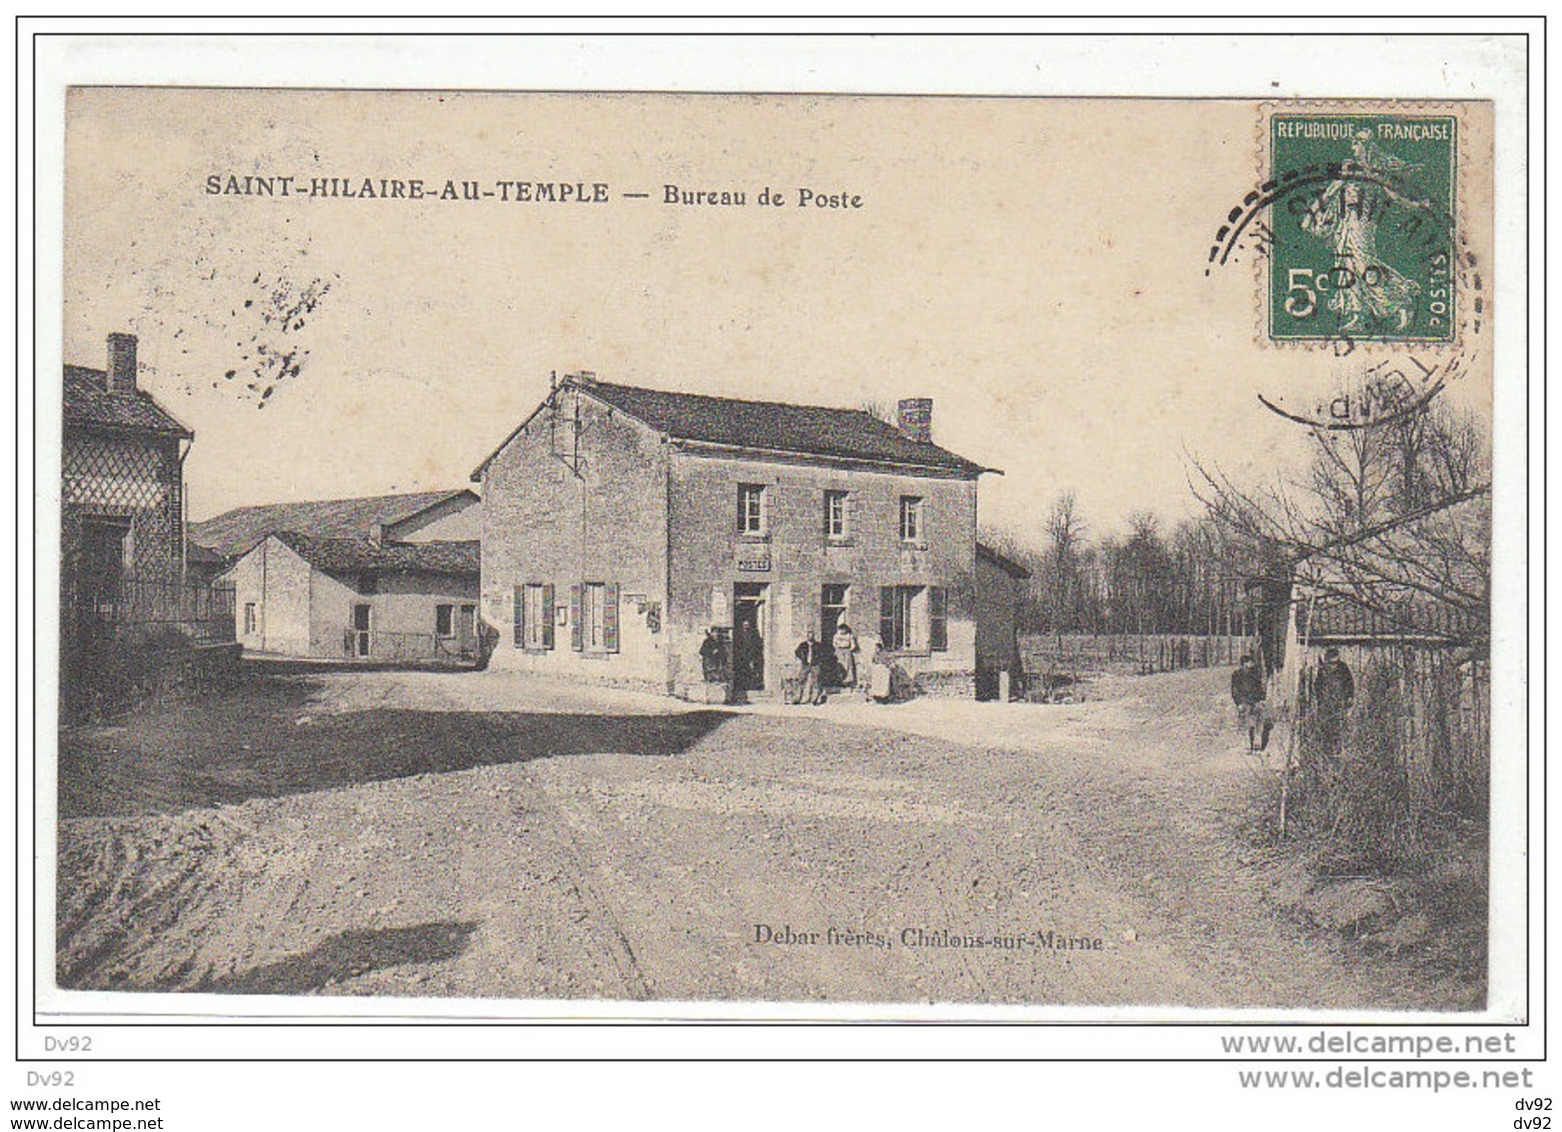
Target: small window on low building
[444, 621]
[249, 617]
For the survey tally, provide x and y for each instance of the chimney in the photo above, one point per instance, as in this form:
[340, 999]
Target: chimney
[121, 376]
[915, 415]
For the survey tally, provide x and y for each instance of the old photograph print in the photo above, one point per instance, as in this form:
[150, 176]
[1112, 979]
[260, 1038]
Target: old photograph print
[777, 549]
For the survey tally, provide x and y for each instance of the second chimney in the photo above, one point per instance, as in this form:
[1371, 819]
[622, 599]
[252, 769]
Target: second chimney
[121, 376]
[915, 415]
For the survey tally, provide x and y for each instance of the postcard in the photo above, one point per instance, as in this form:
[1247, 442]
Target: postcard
[840, 553]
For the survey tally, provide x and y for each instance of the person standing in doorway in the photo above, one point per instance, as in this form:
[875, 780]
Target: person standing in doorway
[845, 645]
[810, 656]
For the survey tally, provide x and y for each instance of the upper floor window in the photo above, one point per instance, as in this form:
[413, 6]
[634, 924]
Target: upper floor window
[835, 523]
[910, 518]
[751, 508]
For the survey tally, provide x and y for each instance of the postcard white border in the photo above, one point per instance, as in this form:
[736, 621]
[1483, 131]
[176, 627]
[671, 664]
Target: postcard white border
[1167, 63]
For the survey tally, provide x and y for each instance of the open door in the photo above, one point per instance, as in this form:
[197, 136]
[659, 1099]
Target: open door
[361, 627]
[748, 636]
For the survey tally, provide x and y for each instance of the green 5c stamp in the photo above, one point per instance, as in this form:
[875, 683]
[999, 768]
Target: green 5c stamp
[1363, 243]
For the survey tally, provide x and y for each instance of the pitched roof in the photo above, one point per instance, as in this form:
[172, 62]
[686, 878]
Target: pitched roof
[1337, 618]
[771, 426]
[88, 403]
[1008, 565]
[195, 553]
[359, 555]
[234, 532]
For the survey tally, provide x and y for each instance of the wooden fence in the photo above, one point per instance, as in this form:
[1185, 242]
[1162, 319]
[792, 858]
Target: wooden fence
[1081, 655]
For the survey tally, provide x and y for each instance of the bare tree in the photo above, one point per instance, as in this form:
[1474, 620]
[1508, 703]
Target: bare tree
[1065, 530]
[1391, 519]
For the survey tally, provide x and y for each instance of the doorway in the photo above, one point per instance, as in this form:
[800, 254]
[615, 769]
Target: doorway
[361, 630]
[102, 572]
[832, 612]
[748, 636]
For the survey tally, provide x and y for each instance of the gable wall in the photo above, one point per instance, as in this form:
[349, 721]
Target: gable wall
[542, 524]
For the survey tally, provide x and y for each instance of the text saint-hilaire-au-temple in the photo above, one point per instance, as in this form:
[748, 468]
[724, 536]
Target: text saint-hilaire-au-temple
[522, 192]
[408, 188]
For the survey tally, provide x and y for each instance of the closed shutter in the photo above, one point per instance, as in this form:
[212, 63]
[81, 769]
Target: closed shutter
[938, 619]
[610, 617]
[547, 616]
[520, 616]
[887, 617]
[574, 617]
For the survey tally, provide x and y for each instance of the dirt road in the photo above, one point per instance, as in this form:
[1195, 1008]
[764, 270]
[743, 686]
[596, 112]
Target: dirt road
[489, 835]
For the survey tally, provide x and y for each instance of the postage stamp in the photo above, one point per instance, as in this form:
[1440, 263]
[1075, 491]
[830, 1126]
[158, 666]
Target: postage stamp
[1364, 235]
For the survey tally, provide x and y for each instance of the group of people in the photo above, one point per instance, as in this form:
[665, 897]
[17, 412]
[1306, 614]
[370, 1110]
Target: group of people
[814, 655]
[1327, 697]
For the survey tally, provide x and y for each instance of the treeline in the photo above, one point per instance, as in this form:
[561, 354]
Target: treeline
[1190, 577]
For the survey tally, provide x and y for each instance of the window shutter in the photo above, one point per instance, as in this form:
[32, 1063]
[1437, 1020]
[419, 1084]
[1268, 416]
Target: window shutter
[520, 616]
[574, 617]
[547, 616]
[887, 616]
[938, 616]
[610, 617]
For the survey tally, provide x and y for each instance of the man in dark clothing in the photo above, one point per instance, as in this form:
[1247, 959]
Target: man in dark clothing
[1333, 691]
[1247, 692]
[810, 655]
[713, 657]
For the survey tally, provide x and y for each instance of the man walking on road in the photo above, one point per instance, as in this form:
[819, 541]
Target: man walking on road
[1247, 692]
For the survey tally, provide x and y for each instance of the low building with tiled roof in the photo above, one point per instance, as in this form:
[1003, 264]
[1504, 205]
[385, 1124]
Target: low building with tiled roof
[299, 595]
[376, 577]
[627, 529]
[344, 556]
[450, 515]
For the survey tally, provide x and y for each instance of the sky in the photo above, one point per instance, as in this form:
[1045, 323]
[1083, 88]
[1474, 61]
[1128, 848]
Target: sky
[1039, 267]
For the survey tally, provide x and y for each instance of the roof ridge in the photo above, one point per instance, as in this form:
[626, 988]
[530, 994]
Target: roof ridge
[443, 493]
[587, 386]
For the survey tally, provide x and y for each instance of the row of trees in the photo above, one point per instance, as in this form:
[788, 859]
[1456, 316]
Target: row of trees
[1189, 577]
[1375, 521]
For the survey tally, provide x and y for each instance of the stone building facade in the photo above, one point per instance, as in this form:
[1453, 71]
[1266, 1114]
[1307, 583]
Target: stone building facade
[622, 524]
